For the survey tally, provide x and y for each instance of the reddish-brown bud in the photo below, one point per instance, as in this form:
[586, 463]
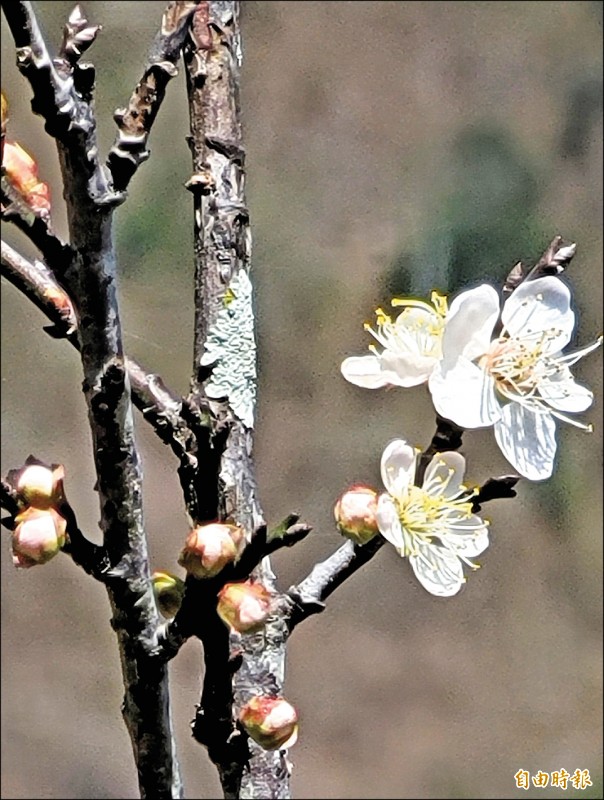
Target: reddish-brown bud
[355, 514]
[209, 548]
[38, 536]
[272, 722]
[244, 607]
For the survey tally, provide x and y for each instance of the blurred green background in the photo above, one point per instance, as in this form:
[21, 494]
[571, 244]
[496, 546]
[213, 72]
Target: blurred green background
[392, 147]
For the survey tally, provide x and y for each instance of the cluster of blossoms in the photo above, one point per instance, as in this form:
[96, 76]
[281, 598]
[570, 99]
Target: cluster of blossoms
[484, 366]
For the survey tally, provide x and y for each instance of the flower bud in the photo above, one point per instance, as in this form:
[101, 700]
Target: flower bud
[209, 548]
[168, 590]
[41, 486]
[22, 171]
[244, 607]
[38, 536]
[355, 514]
[272, 722]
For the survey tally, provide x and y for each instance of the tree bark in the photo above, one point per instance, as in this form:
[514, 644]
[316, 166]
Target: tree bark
[224, 376]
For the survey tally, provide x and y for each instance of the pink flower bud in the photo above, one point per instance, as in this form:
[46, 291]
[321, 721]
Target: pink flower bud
[244, 606]
[272, 722]
[41, 486]
[38, 536]
[355, 514]
[168, 590]
[209, 548]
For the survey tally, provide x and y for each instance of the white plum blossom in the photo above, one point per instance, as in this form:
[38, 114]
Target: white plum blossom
[518, 381]
[411, 346]
[433, 526]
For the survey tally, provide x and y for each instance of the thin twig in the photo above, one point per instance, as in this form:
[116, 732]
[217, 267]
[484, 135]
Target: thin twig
[308, 597]
[555, 259]
[34, 226]
[134, 123]
[161, 407]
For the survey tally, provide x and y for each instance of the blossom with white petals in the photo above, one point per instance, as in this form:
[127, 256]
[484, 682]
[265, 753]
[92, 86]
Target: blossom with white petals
[433, 526]
[520, 381]
[411, 346]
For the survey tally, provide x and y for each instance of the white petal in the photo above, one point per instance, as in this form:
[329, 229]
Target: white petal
[438, 570]
[537, 306]
[408, 369]
[562, 393]
[469, 324]
[388, 521]
[472, 543]
[398, 467]
[446, 470]
[465, 395]
[365, 371]
[527, 439]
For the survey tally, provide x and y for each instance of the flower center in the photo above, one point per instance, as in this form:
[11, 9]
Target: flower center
[424, 516]
[513, 363]
[418, 328]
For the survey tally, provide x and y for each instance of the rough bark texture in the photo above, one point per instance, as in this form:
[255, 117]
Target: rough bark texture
[90, 280]
[222, 253]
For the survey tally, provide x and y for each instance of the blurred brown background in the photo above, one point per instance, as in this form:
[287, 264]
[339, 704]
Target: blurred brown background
[392, 147]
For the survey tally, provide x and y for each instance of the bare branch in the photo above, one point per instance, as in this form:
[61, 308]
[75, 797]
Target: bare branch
[309, 595]
[448, 436]
[34, 226]
[9, 499]
[224, 359]
[38, 284]
[495, 489]
[134, 123]
[90, 282]
[161, 407]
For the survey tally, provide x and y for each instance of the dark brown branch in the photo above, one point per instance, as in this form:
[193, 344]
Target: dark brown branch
[9, 499]
[37, 283]
[495, 489]
[135, 122]
[90, 282]
[91, 557]
[448, 436]
[308, 596]
[161, 407]
[223, 378]
[34, 226]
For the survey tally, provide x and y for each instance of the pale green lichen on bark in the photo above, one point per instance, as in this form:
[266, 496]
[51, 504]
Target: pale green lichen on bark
[230, 349]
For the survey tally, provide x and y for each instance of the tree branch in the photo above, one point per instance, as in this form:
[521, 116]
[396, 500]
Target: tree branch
[159, 405]
[224, 359]
[34, 226]
[308, 597]
[90, 282]
[135, 122]
[554, 260]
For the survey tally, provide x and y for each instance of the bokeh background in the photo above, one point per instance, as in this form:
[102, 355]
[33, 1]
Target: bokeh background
[392, 148]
